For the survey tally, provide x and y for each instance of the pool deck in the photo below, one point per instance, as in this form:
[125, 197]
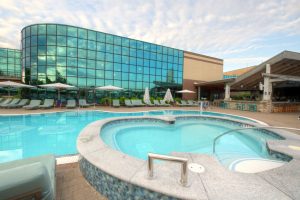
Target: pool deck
[282, 183]
[216, 182]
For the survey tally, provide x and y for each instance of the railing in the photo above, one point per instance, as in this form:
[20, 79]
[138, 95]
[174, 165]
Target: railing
[239, 129]
[182, 161]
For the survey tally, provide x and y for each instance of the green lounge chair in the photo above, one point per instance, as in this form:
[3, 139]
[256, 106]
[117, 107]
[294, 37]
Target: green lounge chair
[34, 104]
[128, 103]
[163, 103]
[116, 103]
[5, 102]
[22, 103]
[71, 103]
[148, 103]
[191, 103]
[183, 103]
[48, 103]
[137, 103]
[31, 178]
[83, 104]
[156, 103]
[13, 102]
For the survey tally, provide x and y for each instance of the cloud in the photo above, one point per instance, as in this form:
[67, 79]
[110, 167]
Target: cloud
[226, 30]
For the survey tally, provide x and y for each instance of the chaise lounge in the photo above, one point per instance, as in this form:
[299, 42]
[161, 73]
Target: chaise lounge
[116, 103]
[163, 103]
[13, 102]
[34, 104]
[71, 104]
[31, 178]
[21, 103]
[83, 104]
[48, 103]
[128, 103]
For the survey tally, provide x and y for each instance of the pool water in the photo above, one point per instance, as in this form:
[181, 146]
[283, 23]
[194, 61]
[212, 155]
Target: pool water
[187, 135]
[23, 136]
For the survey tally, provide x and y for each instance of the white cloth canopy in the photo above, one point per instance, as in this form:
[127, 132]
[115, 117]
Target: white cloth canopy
[146, 95]
[12, 84]
[168, 96]
[185, 91]
[58, 86]
[109, 88]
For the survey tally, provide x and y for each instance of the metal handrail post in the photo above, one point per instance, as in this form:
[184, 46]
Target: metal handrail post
[182, 161]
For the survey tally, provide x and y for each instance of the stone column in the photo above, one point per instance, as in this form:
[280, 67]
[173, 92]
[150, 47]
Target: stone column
[227, 92]
[199, 93]
[267, 85]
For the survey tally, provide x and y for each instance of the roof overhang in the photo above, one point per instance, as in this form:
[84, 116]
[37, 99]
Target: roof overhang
[285, 63]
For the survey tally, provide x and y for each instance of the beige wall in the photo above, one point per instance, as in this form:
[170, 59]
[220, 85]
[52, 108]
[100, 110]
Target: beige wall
[202, 68]
[199, 68]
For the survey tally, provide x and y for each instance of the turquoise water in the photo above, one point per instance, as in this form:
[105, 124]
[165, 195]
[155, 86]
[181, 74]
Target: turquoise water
[23, 136]
[187, 135]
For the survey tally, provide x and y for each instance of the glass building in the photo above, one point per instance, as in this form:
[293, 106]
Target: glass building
[87, 58]
[10, 63]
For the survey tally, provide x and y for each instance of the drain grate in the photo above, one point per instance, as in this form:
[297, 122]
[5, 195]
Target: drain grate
[194, 167]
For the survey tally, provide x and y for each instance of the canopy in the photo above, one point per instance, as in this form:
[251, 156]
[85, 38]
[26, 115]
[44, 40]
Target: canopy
[58, 86]
[109, 88]
[11, 84]
[14, 84]
[146, 95]
[168, 96]
[185, 91]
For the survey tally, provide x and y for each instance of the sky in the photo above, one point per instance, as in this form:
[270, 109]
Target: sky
[241, 32]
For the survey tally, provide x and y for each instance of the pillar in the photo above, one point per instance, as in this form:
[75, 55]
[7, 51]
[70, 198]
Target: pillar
[227, 92]
[199, 93]
[267, 85]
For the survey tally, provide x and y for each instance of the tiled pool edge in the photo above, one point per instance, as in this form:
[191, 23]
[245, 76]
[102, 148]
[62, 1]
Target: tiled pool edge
[114, 188]
[93, 154]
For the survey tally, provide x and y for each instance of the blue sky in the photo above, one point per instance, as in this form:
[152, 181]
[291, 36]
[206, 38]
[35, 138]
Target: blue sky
[241, 32]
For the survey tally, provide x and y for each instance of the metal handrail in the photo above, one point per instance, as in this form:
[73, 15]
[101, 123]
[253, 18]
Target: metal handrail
[238, 129]
[182, 161]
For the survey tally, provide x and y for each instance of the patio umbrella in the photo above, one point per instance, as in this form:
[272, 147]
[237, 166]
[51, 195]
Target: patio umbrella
[146, 95]
[185, 92]
[168, 96]
[12, 84]
[58, 87]
[109, 88]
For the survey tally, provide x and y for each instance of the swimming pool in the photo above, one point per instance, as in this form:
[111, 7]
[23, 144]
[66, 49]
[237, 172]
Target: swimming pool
[194, 135]
[23, 136]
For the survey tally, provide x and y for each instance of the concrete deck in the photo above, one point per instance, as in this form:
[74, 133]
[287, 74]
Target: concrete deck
[72, 185]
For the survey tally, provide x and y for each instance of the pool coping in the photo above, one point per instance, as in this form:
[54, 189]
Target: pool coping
[132, 170]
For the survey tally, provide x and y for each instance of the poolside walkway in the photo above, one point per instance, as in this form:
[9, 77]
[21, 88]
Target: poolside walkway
[72, 185]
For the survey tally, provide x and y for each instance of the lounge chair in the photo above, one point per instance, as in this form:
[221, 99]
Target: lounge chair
[163, 103]
[5, 102]
[48, 103]
[137, 102]
[183, 103]
[1, 99]
[71, 103]
[116, 103]
[22, 103]
[156, 102]
[128, 103]
[13, 102]
[148, 103]
[83, 104]
[191, 103]
[31, 178]
[34, 104]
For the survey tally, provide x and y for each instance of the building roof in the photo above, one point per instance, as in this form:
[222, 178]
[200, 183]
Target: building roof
[238, 72]
[284, 63]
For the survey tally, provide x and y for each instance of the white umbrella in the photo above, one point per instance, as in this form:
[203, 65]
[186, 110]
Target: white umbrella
[185, 92]
[11, 84]
[109, 88]
[58, 86]
[146, 95]
[168, 96]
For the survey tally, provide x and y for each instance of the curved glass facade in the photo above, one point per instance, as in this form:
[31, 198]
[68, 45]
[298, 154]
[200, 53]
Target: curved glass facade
[10, 63]
[87, 58]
